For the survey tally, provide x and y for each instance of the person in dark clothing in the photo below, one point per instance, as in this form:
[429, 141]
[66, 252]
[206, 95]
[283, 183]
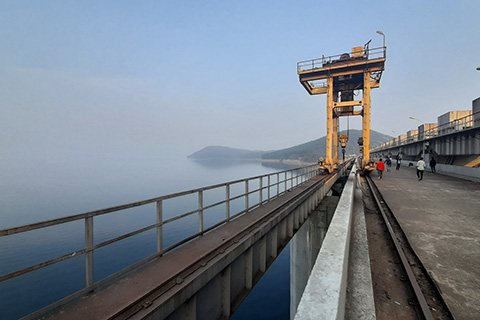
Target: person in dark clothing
[433, 163]
[399, 161]
[388, 162]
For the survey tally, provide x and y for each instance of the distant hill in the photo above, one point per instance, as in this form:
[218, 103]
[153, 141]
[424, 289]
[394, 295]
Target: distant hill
[306, 152]
[311, 151]
[218, 152]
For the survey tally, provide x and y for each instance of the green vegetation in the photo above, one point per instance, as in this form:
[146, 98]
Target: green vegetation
[306, 152]
[311, 151]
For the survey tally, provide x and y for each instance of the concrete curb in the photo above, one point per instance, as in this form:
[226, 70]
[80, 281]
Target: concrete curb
[325, 294]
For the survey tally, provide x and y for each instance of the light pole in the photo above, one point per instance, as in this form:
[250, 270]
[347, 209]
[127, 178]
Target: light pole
[384, 48]
[423, 144]
[412, 118]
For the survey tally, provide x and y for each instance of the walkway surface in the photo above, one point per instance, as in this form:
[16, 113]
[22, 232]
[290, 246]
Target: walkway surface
[441, 217]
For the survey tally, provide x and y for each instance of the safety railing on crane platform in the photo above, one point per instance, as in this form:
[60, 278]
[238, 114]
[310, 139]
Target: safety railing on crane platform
[251, 193]
[465, 123]
[323, 62]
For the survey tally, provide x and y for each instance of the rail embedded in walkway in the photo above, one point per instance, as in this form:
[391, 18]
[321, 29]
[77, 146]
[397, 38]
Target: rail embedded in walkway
[255, 191]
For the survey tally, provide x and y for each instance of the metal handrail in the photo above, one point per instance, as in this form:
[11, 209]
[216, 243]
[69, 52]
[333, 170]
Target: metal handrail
[457, 125]
[368, 54]
[293, 178]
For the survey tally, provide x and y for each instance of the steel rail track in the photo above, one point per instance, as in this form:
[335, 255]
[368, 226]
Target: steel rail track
[420, 297]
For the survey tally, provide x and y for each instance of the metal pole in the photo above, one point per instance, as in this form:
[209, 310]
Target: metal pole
[278, 184]
[89, 251]
[200, 211]
[228, 201]
[246, 196]
[268, 187]
[261, 190]
[159, 225]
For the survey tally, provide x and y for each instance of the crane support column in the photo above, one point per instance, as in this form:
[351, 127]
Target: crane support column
[366, 119]
[329, 161]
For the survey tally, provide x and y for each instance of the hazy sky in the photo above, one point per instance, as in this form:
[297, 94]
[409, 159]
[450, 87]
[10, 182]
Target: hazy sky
[130, 78]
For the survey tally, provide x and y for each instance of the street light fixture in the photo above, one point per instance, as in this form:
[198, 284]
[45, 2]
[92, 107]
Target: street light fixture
[384, 48]
[423, 144]
[412, 118]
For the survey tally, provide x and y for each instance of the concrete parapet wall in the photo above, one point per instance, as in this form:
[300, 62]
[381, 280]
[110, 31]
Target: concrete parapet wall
[472, 174]
[452, 115]
[466, 173]
[325, 294]
[476, 111]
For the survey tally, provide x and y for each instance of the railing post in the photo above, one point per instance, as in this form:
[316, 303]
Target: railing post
[285, 181]
[268, 188]
[89, 251]
[246, 196]
[278, 184]
[200, 211]
[159, 226]
[261, 190]
[227, 201]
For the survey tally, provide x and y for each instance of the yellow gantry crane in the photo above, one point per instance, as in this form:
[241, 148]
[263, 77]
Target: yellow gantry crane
[339, 77]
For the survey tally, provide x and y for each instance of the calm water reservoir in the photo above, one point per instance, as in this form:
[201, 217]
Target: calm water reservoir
[32, 191]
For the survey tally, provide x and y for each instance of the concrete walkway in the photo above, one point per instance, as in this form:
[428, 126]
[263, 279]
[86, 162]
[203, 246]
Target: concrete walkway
[441, 218]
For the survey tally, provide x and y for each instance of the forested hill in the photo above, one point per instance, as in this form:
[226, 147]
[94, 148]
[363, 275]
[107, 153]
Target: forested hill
[306, 152]
[311, 151]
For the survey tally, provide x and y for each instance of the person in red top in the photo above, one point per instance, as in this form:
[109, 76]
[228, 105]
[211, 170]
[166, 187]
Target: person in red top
[380, 168]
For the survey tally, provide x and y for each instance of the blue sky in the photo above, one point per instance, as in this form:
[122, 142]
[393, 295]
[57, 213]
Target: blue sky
[130, 78]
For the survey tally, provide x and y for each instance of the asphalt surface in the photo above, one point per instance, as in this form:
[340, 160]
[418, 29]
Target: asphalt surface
[441, 217]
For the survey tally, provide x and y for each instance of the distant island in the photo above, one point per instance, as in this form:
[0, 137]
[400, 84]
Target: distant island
[218, 152]
[308, 152]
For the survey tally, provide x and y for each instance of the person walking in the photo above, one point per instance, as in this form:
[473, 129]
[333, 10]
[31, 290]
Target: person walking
[380, 168]
[399, 161]
[420, 168]
[433, 163]
[388, 163]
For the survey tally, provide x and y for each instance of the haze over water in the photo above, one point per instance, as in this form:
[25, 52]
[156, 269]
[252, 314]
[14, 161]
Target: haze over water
[43, 189]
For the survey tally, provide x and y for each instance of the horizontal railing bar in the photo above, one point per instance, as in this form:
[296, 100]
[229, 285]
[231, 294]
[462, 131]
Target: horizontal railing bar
[180, 216]
[41, 265]
[214, 205]
[237, 197]
[125, 236]
[372, 51]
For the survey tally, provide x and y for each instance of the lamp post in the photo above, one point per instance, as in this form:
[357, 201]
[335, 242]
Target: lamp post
[384, 48]
[423, 144]
[412, 118]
